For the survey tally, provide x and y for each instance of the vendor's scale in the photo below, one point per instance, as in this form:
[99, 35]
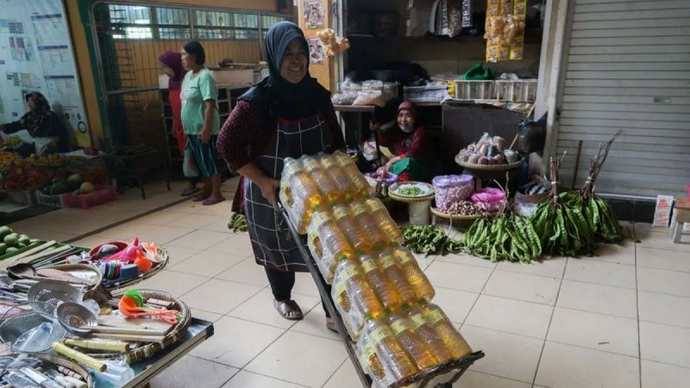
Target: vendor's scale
[424, 380]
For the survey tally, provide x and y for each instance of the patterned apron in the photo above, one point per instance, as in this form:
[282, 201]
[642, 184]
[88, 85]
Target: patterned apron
[271, 241]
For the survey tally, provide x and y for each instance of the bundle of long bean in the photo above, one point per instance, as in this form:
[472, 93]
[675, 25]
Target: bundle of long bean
[237, 223]
[597, 212]
[505, 237]
[560, 222]
[429, 240]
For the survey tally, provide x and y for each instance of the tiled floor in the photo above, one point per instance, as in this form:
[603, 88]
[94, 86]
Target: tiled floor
[621, 320]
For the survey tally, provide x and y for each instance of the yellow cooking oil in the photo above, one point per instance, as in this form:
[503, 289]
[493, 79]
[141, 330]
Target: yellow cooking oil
[360, 214]
[339, 176]
[420, 283]
[362, 297]
[390, 267]
[380, 215]
[389, 351]
[327, 242]
[379, 282]
[427, 333]
[362, 187]
[356, 235]
[439, 321]
[325, 184]
[418, 350]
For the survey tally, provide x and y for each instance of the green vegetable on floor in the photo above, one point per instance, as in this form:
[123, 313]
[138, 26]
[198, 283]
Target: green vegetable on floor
[429, 240]
[505, 237]
[237, 223]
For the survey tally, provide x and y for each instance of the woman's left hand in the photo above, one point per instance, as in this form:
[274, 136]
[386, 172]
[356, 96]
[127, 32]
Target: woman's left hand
[205, 136]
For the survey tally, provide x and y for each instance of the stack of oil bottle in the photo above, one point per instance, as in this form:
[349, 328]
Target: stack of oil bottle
[378, 287]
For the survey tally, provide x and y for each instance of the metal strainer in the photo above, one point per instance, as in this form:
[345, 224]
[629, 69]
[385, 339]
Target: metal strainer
[75, 318]
[52, 293]
[25, 317]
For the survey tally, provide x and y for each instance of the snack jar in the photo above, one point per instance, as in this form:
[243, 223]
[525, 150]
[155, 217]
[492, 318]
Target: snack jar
[450, 189]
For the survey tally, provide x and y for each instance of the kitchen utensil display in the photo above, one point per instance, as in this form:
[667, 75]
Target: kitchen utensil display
[52, 293]
[27, 328]
[79, 357]
[79, 320]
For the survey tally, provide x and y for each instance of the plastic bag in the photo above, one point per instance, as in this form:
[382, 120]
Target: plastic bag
[189, 164]
[370, 98]
[343, 98]
[369, 150]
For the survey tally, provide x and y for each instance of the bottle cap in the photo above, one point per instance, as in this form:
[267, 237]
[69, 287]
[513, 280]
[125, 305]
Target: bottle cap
[368, 318]
[423, 302]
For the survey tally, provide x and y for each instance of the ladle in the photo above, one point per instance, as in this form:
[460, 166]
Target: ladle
[27, 271]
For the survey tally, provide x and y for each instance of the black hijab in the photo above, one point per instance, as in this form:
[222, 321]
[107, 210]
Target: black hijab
[282, 98]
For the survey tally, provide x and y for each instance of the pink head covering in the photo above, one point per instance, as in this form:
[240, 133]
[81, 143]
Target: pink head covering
[407, 105]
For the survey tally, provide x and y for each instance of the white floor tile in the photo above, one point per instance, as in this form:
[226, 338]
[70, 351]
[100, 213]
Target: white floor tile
[565, 366]
[301, 359]
[596, 298]
[657, 375]
[259, 308]
[666, 344]
[663, 281]
[530, 288]
[207, 264]
[616, 254]
[219, 296]
[237, 244]
[511, 316]
[236, 342]
[663, 259]
[314, 323]
[188, 371]
[175, 283]
[507, 355]
[456, 304]
[664, 309]
[246, 271]
[480, 380]
[551, 267]
[345, 377]
[246, 379]
[462, 258]
[594, 331]
[200, 239]
[592, 271]
[458, 276]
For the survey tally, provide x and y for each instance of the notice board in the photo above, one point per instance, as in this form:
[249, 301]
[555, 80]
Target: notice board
[36, 56]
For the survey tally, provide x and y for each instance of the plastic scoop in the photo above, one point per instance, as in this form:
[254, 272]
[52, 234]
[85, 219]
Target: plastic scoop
[128, 307]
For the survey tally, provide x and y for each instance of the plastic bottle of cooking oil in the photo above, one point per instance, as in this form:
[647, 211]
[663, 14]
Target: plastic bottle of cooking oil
[418, 350]
[383, 220]
[366, 353]
[327, 243]
[354, 233]
[379, 282]
[366, 222]
[290, 167]
[420, 283]
[338, 175]
[389, 351]
[301, 197]
[439, 321]
[427, 333]
[326, 186]
[390, 267]
[363, 189]
[354, 296]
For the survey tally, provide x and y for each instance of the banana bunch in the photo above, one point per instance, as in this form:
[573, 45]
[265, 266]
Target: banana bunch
[505, 237]
[562, 227]
[12, 142]
[52, 160]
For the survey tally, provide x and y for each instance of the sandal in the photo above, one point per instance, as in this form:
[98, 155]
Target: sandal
[190, 191]
[212, 201]
[200, 197]
[330, 325]
[289, 310]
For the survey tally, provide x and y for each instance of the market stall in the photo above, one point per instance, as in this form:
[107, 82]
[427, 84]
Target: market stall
[67, 321]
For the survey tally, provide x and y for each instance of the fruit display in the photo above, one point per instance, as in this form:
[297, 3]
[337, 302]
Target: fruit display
[11, 142]
[7, 159]
[22, 175]
[11, 242]
[488, 150]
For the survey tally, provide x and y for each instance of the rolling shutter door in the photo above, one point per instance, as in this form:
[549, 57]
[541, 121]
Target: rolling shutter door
[628, 67]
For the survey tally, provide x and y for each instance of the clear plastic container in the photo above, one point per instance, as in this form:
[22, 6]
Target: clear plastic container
[390, 267]
[450, 189]
[385, 290]
[413, 273]
[418, 350]
[323, 181]
[327, 244]
[444, 328]
[339, 176]
[381, 217]
[394, 361]
[353, 296]
[363, 190]
[366, 222]
[355, 234]
[428, 334]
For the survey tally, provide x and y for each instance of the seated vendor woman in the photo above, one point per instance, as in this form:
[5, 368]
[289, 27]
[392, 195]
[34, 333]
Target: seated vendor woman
[41, 130]
[413, 156]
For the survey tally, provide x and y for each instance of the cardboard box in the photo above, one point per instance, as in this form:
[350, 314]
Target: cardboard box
[662, 214]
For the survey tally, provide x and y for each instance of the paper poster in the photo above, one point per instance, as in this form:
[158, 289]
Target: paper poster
[36, 56]
[314, 14]
[317, 53]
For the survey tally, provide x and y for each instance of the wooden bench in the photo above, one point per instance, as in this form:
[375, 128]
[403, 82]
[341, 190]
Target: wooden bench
[682, 208]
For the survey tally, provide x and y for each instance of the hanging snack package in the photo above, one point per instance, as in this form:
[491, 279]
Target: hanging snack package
[466, 13]
[517, 45]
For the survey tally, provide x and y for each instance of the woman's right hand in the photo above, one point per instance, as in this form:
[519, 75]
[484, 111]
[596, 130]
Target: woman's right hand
[269, 189]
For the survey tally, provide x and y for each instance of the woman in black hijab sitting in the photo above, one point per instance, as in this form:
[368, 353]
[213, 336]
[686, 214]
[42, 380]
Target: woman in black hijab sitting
[43, 125]
[287, 114]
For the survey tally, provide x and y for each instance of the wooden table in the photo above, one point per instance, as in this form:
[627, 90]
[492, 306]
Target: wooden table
[682, 207]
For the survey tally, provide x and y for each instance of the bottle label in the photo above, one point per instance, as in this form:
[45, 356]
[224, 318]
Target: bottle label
[357, 209]
[404, 256]
[401, 325]
[328, 162]
[339, 212]
[379, 334]
[435, 316]
[368, 266]
[348, 271]
[418, 319]
[386, 261]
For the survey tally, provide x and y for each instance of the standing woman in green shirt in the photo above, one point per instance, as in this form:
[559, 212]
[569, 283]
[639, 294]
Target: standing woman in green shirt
[200, 120]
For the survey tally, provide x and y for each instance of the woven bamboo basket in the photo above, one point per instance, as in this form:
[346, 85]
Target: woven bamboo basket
[81, 267]
[408, 199]
[489, 167]
[454, 217]
[173, 336]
